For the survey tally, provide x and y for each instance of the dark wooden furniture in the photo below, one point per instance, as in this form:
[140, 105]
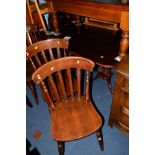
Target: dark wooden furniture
[119, 115]
[113, 13]
[89, 44]
[43, 51]
[73, 116]
[105, 72]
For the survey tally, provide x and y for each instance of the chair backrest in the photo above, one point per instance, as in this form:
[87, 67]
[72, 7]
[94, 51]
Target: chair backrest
[31, 36]
[43, 51]
[57, 69]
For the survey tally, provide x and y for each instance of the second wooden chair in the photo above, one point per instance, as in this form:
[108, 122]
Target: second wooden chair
[44, 51]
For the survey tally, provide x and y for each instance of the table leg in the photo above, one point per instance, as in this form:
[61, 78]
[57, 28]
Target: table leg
[124, 43]
[124, 26]
[54, 16]
[55, 22]
[78, 23]
[106, 74]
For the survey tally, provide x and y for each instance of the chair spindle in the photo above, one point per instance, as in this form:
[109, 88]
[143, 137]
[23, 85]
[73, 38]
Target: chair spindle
[78, 82]
[70, 82]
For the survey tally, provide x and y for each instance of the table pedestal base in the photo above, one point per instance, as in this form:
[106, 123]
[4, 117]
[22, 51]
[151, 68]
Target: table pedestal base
[106, 74]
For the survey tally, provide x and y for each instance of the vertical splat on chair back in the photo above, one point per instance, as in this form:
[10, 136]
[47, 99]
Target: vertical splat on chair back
[43, 51]
[70, 65]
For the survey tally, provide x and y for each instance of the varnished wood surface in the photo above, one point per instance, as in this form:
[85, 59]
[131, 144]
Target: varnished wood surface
[41, 52]
[76, 118]
[63, 63]
[119, 114]
[45, 45]
[73, 116]
[92, 4]
[101, 11]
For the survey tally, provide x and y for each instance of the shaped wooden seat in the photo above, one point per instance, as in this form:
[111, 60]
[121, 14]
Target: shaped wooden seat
[73, 116]
[77, 114]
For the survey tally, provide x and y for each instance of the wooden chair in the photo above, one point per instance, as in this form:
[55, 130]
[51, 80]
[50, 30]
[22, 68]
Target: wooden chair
[31, 38]
[44, 51]
[73, 116]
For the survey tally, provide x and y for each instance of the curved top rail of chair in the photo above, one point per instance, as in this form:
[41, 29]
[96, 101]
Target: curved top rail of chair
[45, 44]
[60, 64]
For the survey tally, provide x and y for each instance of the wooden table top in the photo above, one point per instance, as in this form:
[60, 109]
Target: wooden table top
[120, 2]
[112, 4]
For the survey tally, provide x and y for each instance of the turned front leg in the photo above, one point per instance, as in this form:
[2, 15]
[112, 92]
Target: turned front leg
[60, 147]
[124, 26]
[124, 43]
[54, 16]
[55, 22]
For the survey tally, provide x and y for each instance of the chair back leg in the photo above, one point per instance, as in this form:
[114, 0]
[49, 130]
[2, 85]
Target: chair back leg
[33, 90]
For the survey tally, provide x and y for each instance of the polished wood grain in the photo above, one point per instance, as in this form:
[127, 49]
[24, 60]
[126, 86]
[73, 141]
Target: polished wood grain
[119, 115]
[43, 51]
[72, 116]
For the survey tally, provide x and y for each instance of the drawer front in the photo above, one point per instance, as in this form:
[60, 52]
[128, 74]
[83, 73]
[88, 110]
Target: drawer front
[124, 99]
[123, 118]
[119, 115]
[125, 85]
[123, 115]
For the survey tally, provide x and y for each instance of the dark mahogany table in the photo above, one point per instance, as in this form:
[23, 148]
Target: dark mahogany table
[101, 46]
[114, 11]
[106, 67]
